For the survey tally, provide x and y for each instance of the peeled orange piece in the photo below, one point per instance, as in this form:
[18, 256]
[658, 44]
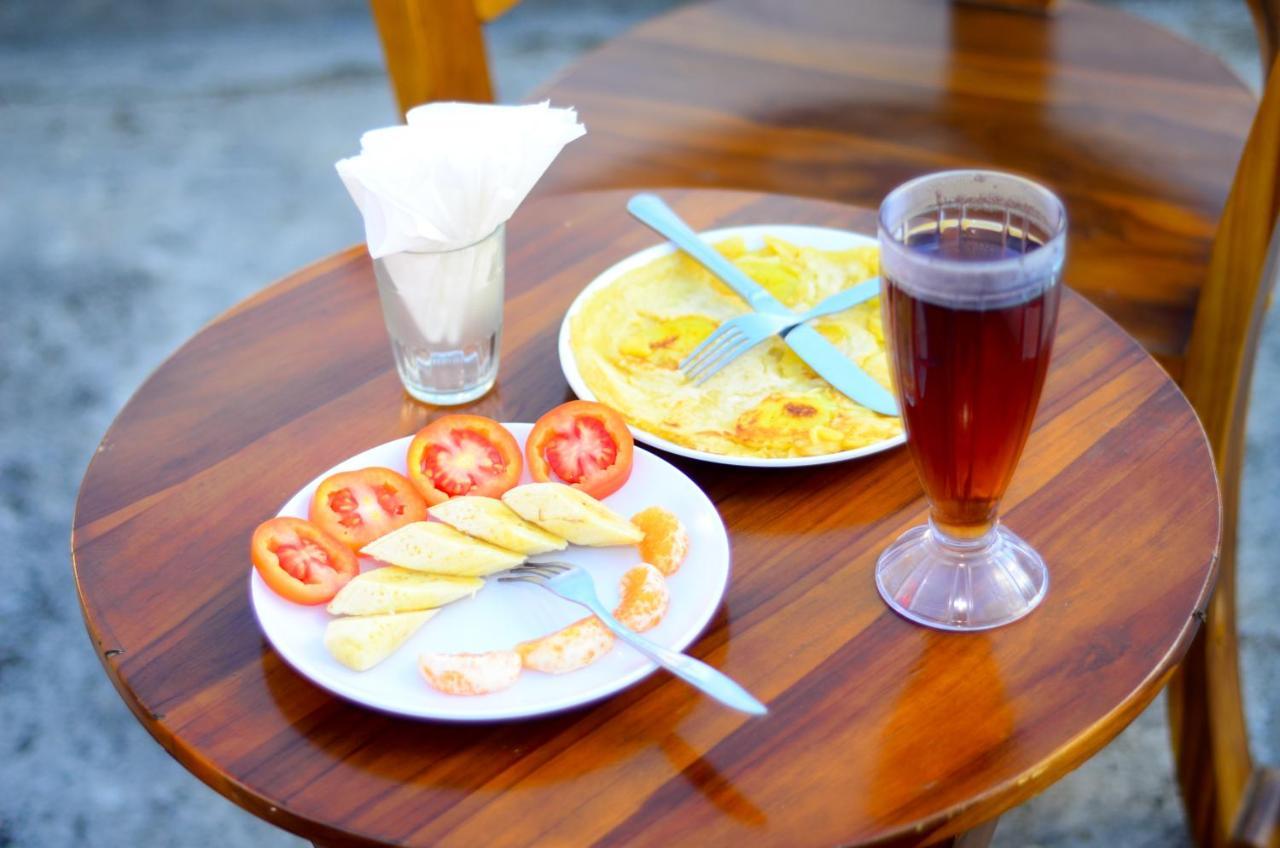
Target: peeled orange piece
[643, 598]
[665, 543]
[568, 649]
[471, 674]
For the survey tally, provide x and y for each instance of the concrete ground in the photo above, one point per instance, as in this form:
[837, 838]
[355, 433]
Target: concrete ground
[161, 161]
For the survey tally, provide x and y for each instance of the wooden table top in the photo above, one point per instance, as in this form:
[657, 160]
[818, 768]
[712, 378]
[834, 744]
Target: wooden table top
[1138, 131]
[878, 730]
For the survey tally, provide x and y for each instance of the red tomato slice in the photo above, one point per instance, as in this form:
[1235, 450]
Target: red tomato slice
[356, 507]
[463, 455]
[585, 444]
[301, 562]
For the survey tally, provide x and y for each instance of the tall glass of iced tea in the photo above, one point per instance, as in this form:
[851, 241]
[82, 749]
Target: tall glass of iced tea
[970, 262]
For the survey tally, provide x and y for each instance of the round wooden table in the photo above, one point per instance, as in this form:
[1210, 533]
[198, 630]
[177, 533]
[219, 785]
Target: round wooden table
[879, 730]
[1138, 131]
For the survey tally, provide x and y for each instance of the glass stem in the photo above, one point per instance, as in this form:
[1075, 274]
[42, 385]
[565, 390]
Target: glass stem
[972, 540]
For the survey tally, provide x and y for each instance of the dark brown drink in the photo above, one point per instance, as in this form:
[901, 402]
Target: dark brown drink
[969, 376]
[970, 262]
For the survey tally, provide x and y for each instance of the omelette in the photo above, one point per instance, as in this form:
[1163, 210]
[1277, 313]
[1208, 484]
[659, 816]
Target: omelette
[629, 337]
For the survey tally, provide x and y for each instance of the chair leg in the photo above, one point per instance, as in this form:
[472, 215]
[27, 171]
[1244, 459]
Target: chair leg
[1258, 825]
[1206, 711]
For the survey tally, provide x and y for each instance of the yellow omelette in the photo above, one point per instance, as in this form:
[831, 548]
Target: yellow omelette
[629, 337]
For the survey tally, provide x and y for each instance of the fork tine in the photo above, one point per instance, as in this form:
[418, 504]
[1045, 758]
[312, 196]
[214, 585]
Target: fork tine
[697, 351]
[728, 341]
[533, 568]
[724, 361]
[537, 580]
[717, 335]
[557, 567]
[726, 333]
[727, 354]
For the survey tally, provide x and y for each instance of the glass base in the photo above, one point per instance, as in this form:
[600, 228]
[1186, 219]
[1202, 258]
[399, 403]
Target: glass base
[451, 398]
[961, 586]
[447, 377]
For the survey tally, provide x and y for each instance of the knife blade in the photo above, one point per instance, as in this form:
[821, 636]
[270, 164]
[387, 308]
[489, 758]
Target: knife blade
[822, 356]
[838, 370]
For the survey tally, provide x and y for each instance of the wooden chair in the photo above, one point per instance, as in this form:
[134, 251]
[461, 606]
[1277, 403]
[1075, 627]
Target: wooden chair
[435, 51]
[435, 48]
[1230, 802]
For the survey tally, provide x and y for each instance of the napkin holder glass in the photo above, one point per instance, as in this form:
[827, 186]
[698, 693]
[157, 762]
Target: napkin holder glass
[443, 311]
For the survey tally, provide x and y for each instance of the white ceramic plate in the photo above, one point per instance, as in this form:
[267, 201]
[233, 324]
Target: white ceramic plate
[819, 237]
[502, 614]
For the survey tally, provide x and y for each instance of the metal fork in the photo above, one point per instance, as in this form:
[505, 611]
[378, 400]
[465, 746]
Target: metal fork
[743, 332]
[574, 584]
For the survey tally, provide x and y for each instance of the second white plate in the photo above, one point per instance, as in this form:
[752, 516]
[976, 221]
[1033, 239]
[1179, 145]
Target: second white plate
[502, 614]
[822, 238]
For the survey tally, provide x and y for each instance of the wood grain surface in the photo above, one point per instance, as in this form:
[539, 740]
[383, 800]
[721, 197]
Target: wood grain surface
[879, 731]
[1139, 131]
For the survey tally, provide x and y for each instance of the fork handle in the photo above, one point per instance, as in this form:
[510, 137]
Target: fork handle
[694, 672]
[843, 300]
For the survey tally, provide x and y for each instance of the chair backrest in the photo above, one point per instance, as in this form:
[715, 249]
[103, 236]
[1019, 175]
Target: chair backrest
[435, 48]
[1221, 788]
[1266, 20]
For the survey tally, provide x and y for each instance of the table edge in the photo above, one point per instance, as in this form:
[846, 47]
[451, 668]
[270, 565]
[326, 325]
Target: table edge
[948, 822]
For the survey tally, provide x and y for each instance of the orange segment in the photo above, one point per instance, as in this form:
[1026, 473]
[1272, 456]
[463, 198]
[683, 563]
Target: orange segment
[665, 541]
[569, 649]
[643, 598]
[470, 674]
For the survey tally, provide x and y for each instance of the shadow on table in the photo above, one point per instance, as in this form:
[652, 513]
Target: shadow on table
[489, 757]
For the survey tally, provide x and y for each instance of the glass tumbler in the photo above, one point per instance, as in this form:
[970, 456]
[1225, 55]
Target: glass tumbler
[971, 262]
[443, 311]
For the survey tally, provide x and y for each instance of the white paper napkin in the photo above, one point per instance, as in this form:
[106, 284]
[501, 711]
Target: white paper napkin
[453, 173]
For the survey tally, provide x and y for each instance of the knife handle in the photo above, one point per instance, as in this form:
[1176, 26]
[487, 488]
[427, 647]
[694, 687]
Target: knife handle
[652, 211]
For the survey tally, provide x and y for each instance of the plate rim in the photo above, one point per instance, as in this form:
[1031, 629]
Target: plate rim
[471, 715]
[569, 363]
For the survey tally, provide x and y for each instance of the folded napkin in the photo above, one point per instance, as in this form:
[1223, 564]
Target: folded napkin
[453, 173]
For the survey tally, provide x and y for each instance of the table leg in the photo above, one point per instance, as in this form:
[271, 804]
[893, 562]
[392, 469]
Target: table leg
[1038, 7]
[977, 837]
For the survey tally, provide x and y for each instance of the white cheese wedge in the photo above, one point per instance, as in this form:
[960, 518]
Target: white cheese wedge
[439, 549]
[492, 521]
[571, 513]
[362, 641]
[391, 589]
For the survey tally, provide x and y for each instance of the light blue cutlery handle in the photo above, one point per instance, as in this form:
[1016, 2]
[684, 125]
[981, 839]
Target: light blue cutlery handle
[652, 211]
[842, 300]
[694, 672]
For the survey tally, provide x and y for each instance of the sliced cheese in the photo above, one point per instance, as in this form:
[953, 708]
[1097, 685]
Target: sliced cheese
[439, 549]
[571, 513]
[391, 589]
[492, 521]
[362, 641]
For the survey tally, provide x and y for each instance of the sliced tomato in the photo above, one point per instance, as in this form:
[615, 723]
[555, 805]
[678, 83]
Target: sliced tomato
[585, 444]
[356, 507]
[463, 455]
[301, 562]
